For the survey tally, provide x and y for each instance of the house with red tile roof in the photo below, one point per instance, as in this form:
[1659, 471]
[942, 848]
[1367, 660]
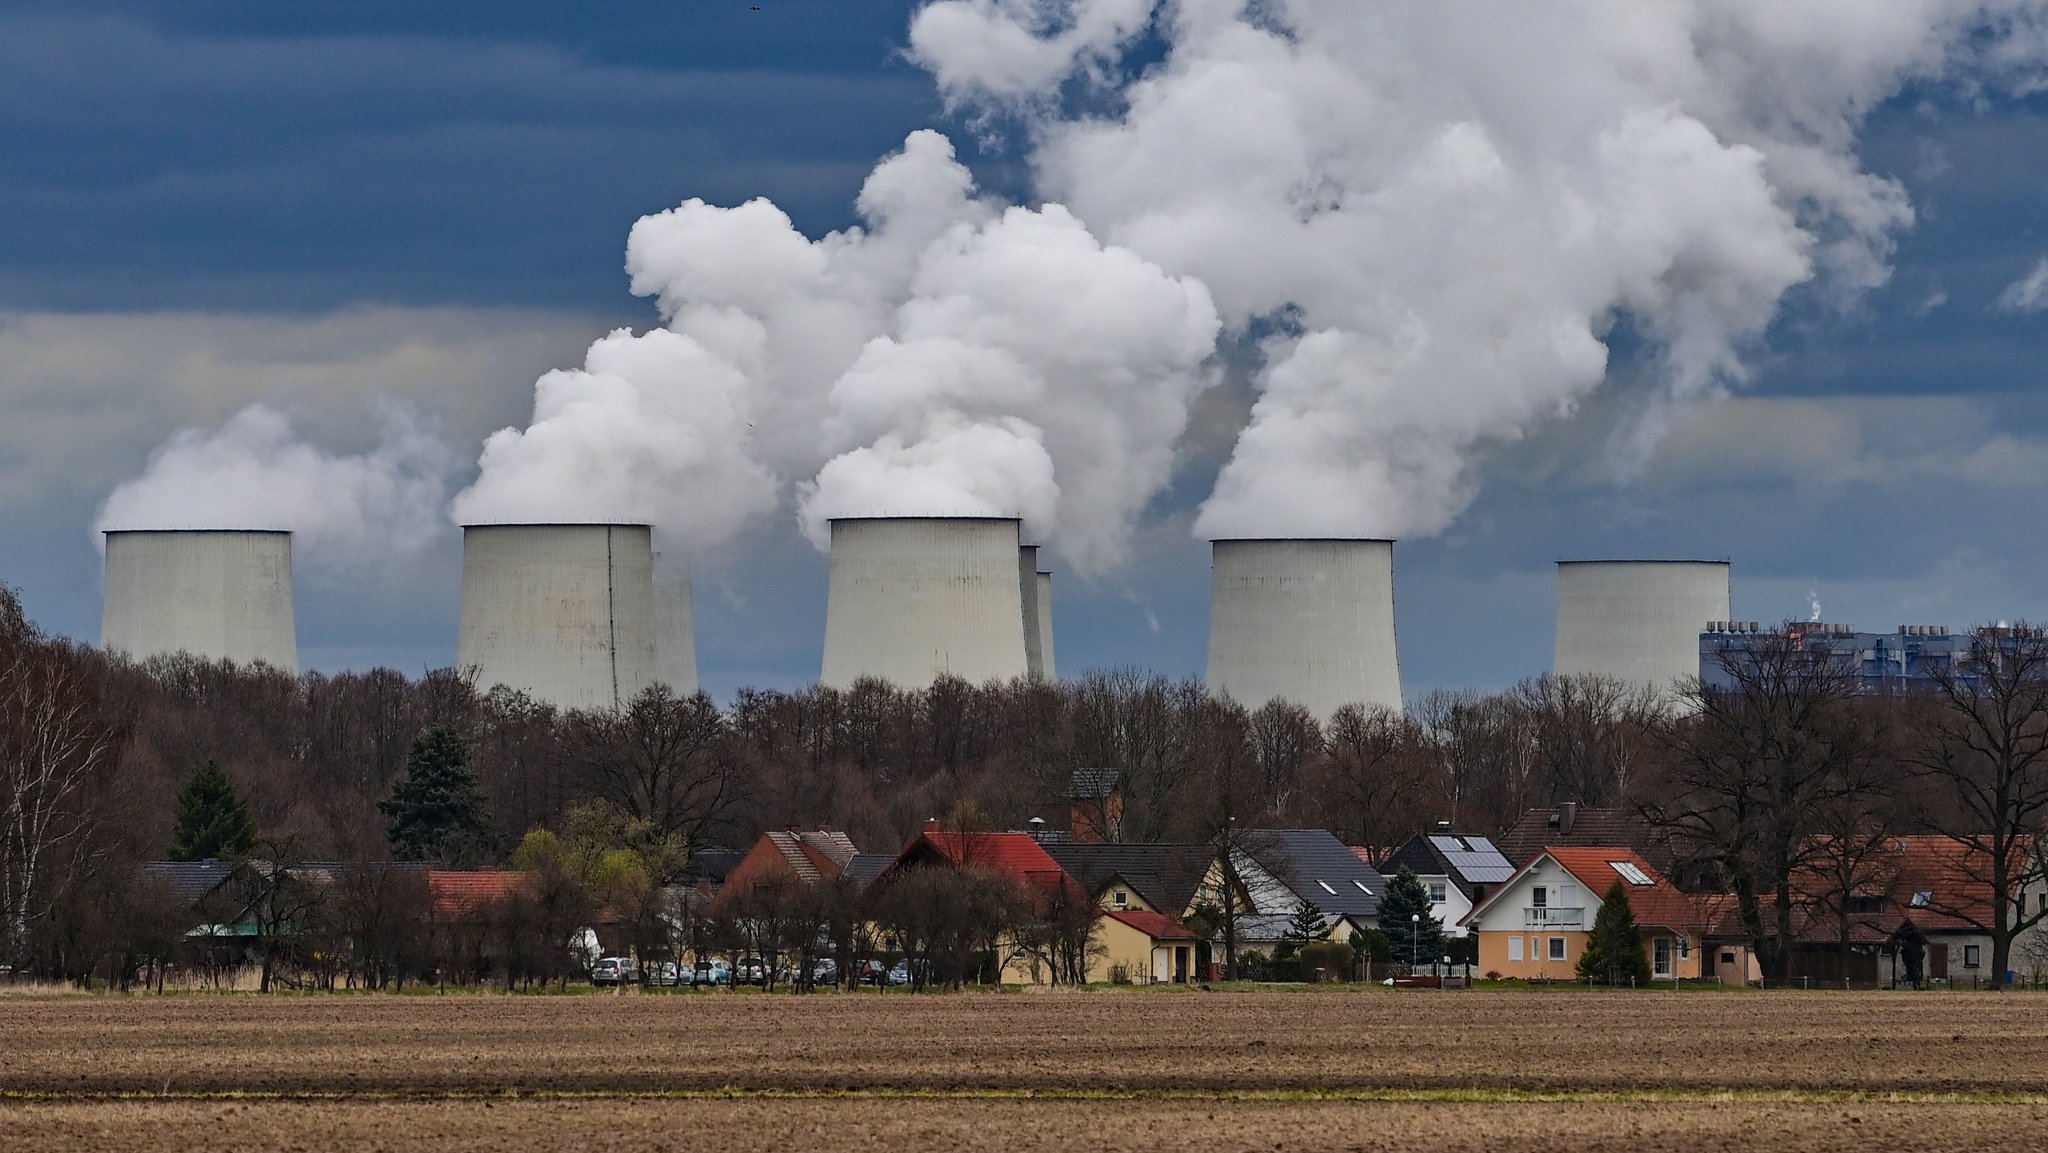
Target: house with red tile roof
[783, 861]
[1930, 893]
[1536, 924]
[1143, 947]
[464, 896]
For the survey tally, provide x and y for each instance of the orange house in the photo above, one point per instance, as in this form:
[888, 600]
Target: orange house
[1535, 926]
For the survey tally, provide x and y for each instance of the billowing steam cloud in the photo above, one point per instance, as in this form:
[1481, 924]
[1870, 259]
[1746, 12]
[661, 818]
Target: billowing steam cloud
[348, 513]
[1439, 211]
[950, 358]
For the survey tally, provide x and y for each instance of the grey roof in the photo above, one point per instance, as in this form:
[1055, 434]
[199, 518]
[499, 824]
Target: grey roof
[1164, 876]
[1093, 784]
[1318, 867]
[712, 864]
[189, 880]
[863, 868]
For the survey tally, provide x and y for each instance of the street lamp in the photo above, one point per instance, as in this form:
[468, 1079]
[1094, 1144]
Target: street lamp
[1414, 940]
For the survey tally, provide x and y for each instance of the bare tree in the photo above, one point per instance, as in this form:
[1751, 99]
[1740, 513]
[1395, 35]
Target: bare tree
[1985, 749]
[1752, 769]
[665, 760]
[54, 747]
[1372, 777]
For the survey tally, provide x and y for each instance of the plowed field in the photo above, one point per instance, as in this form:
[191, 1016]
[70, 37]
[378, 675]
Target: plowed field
[1342, 1069]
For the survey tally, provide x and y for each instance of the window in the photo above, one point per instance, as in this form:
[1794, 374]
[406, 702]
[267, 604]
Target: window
[1438, 892]
[1557, 948]
[1327, 888]
[1362, 888]
[1121, 899]
[1685, 948]
[1727, 958]
[1866, 904]
[1660, 957]
[1631, 873]
[1923, 898]
[1539, 897]
[1972, 954]
[1514, 948]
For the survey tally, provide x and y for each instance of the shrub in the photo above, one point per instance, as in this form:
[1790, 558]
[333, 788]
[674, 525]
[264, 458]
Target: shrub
[1333, 959]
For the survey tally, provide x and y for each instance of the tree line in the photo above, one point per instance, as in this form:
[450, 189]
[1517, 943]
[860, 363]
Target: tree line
[1793, 772]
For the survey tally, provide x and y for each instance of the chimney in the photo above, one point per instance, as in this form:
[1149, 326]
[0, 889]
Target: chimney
[1444, 825]
[1567, 815]
[1037, 828]
[931, 824]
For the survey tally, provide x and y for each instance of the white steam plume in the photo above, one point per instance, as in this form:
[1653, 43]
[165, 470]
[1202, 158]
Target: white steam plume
[949, 358]
[1434, 214]
[348, 513]
[653, 429]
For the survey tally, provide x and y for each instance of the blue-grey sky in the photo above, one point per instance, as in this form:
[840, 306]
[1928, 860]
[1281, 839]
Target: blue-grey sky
[324, 206]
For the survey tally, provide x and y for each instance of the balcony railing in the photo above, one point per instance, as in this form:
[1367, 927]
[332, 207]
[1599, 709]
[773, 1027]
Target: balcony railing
[1554, 918]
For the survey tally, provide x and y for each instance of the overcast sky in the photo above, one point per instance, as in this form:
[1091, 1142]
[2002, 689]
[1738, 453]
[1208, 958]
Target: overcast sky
[330, 207]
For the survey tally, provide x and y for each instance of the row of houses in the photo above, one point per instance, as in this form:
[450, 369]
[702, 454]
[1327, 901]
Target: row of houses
[1161, 912]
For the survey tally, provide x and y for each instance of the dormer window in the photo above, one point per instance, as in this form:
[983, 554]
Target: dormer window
[1120, 899]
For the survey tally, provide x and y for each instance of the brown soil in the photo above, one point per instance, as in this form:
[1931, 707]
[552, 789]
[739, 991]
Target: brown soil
[1693, 1070]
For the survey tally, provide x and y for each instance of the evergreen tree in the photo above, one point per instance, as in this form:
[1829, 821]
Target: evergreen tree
[1614, 950]
[436, 810]
[212, 820]
[1308, 923]
[1412, 929]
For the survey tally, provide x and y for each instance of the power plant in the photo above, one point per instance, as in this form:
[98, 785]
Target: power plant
[1041, 587]
[675, 635]
[911, 599]
[214, 593]
[1309, 621]
[1036, 590]
[1637, 620]
[564, 612]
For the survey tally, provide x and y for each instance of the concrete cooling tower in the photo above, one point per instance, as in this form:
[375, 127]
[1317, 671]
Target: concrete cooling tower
[1311, 621]
[1638, 621]
[914, 598]
[675, 637]
[564, 612]
[1037, 613]
[222, 595]
[1041, 587]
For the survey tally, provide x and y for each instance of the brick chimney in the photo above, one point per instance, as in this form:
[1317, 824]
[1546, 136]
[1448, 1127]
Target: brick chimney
[1567, 816]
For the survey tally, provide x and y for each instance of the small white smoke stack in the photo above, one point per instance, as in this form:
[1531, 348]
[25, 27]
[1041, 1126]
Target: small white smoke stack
[564, 612]
[915, 598]
[217, 594]
[1310, 621]
[675, 637]
[1041, 587]
[1637, 621]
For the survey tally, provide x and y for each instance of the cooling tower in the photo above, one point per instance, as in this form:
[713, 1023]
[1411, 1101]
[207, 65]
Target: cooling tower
[564, 612]
[1027, 591]
[914, 598]
[1041, 587]
[1308, 620]
[675, 635]
[1637, 621]
[222, 595]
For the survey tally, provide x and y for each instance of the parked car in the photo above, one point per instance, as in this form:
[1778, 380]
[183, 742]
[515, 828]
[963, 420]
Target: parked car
[664, 973]
[901, 974]
[825, 972]
[872, 972]
[751, 971]
[711, 973]
[615, 971]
